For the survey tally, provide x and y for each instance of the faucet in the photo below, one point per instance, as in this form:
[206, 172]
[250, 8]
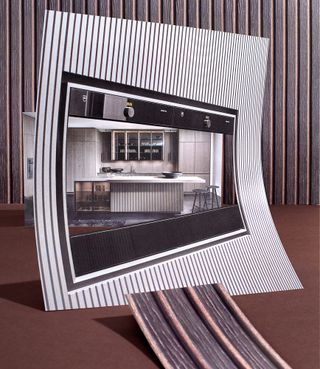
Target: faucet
[132, 170]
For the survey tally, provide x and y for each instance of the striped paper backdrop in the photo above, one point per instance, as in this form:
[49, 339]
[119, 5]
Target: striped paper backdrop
[214, 67]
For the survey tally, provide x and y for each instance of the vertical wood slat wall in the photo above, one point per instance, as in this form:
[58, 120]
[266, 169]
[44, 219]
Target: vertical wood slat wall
[290, 135]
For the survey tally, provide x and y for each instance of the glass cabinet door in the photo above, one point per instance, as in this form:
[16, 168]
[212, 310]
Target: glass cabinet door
[83, 195]
[120, 146]
[157, 146]
[137, 145]
[145, 146]
[132, 146]
[101, 196]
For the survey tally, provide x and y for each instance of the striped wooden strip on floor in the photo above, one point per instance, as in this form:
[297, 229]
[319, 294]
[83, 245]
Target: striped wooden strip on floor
[201, 327]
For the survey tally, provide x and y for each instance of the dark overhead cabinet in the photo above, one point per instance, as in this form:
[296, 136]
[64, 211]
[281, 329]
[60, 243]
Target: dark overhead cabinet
[86, 103]
[78, 102]
[98, 105]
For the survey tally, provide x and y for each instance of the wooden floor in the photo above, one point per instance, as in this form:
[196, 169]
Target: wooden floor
[110, 338]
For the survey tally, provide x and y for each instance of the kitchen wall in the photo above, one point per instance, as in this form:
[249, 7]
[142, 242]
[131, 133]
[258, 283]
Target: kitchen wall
[84, 149]
[82, 146]
[290, 132]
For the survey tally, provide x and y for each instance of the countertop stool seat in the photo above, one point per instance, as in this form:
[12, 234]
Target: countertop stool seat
[204, 198]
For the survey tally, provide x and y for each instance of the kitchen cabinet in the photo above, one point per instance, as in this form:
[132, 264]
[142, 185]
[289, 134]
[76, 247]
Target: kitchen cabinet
[133, 146]
[194, 156]
[119, 146]
[92, 196]
[123, 194]
[85, 103]
[137, 145]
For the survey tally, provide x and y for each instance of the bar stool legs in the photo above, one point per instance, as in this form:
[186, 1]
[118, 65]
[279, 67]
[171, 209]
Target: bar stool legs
[202, 196]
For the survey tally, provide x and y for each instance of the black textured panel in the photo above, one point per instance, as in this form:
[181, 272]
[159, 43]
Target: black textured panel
[101, 250]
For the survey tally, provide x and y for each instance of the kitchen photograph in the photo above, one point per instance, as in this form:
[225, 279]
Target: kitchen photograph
[120, 173]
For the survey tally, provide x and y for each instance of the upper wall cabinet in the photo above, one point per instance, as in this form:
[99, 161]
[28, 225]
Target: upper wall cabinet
[85, 103]
[137, 145]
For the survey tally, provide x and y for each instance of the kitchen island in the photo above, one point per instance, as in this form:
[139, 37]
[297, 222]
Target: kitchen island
[134, 193]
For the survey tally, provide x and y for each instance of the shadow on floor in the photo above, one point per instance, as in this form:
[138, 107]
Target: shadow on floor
[127, 327]
[23, 293]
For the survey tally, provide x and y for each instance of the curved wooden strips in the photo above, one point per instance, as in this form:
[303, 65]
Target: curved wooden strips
[217, 321]
[163, 342]
[201, 327]
[249, 328]
[191, 330]
[226, 328]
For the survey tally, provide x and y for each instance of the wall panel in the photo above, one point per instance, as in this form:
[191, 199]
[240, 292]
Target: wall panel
[268, 116]
[16, 89]
[5, 145]
[304, 103]
[290, 132]
[279, 101]
[292, 105]
[315, 102]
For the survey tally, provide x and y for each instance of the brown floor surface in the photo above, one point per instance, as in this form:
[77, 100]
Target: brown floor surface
[110, 338]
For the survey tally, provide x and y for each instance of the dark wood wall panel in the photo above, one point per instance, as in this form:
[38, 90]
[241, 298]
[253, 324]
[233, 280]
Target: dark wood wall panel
[193, 13]
[5, 145]
[41, 5]
[66, 5]
[243, 12]
[206, 9]
[155, 11]
[254, 18]
[16, 107]
[304, 102]
[315, 102]
[279, 101]
[268, 116]
[292, 105]
[29, 61]
[104, 8]
[181, 12]
[290, 132]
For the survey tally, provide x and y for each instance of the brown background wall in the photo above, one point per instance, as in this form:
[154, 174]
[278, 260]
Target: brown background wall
[290, 134]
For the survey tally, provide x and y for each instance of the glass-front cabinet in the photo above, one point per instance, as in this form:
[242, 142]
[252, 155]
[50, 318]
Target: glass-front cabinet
[132, 145]
[157, 146]
[137, 145]
[119, 151]
[145, 146]
[92, 196]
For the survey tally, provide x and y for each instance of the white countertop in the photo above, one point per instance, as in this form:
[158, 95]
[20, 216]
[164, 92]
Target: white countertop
[142, 179]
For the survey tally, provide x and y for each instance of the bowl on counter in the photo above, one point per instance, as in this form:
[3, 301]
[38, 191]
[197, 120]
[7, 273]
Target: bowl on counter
[172, 174]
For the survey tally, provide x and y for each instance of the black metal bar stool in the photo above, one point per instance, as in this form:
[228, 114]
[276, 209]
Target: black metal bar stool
[214, 195]
[202, 198]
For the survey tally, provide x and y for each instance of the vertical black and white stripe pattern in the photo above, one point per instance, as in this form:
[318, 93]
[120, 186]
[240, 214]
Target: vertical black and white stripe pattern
[213, 67]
